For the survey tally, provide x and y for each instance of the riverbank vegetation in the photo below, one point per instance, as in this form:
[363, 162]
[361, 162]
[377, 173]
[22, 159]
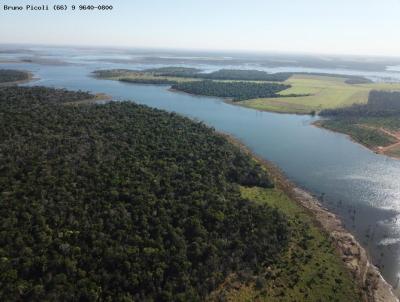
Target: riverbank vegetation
[8, 75]
[375, 124]
[123, 202]
[236, 91]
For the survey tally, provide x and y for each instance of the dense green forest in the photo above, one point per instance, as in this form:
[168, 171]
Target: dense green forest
[236, 90]
[120, 202]
[8, 75]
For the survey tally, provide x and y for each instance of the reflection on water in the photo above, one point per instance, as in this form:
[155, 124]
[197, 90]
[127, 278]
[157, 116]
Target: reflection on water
[360, 186]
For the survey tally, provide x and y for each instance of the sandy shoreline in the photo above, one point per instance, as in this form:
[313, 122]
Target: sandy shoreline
[353, 255]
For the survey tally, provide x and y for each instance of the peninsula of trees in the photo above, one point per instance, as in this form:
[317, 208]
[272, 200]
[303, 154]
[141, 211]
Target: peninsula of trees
[121, 202]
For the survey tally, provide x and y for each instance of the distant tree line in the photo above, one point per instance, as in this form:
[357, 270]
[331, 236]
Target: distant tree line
[121, 202]
[153, 81]
[223, 74]
[349, 79]
[111, 73]
[185, 72]
[173, 71]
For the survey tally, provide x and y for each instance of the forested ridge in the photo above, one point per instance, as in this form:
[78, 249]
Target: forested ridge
[8, 75]
[238, 91]
[120, 202]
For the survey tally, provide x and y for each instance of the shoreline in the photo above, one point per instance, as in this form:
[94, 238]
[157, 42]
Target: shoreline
[376, 150]
[355, 258]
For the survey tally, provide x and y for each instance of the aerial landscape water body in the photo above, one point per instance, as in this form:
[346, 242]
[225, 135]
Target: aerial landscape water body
[362, 187]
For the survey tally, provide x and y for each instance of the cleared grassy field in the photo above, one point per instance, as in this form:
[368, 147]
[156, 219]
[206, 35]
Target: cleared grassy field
[310, 270]
[321, 92]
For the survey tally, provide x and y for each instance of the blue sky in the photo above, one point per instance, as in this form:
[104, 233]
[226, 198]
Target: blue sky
[314, 26]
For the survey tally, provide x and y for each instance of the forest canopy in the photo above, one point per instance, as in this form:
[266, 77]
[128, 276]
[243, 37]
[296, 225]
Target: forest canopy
[238, 91]
[121, 202]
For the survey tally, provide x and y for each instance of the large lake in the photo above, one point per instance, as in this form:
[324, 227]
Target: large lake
[357, 184]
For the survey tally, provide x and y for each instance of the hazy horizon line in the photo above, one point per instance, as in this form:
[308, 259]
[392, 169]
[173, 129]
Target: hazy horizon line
[201, 50]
